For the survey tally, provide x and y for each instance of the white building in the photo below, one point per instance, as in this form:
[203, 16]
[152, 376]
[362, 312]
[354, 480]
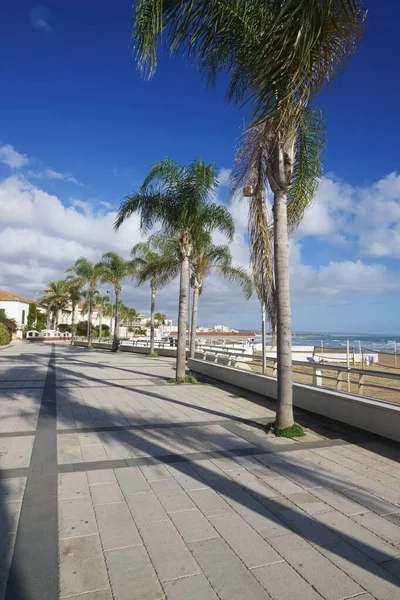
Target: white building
[16, 307]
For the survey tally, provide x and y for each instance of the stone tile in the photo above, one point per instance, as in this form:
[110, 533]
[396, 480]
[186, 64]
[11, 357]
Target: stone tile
[93, 453]
[76, 517]
[372, 577]
[189, 588]
[309, 503]
[254, 485]
[283, 583]
[25, 441]
[329, 581]
[101, 476]
[172, 496]
[72, 485]
[169, 555]
[88, 439]
[209, 502]
[380, 526]
[306, 525]
[20, 457]
[251, 548]
[132, 481]
[284, 486]
[371, 501]
[132, 575]
[69, 454]
[104, 493]
[339, 502]
[359, 537]
[393, 566]
[12, 490]
[116, 526]
[146, 508]
[230, 579]
[97, 595]
[155, 472]
[187, 477]
[193, 526]
[82, 567]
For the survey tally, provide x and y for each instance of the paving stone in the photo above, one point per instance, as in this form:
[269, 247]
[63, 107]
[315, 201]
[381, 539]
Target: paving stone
[393, 566]
[97, 595]
[88, 439]
[146, 508]
[306, 525]
[339, 502]
[132, 575]
[76, 517]
[189, 588]
[254, 485]
[169, 555]
[69, 454]
[155, 472]
[209, 502]
[359, 537]
[393, 518]
[172, 496]
[228, 576]
[372, 577]
[93, 453]
[104, 493]
[12, 490]
[380, 526]
[321, 574]
[82, 567]
[283, 583]
[187, 477]
[251, 548]
[309, 503]
[116, 526]
[284, 486]
[101, 476]
[193, 526]
[17, 458]
[71, 485]
[132, 481]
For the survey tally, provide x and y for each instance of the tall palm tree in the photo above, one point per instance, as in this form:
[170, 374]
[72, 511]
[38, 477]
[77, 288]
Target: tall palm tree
[279, 55]
[87, 273]
[210, 258]
[157, 267]
[108, 311]
[131, 318]
[74, 293]
[177, 197]
[101, 302]
[114, 269]
[56, 298]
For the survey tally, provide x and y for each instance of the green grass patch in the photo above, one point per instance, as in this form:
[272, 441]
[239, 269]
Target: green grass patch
[294, 431]
[153, 355]
[186, 379]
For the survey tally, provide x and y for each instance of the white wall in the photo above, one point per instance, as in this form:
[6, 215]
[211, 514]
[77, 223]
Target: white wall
[14, 311]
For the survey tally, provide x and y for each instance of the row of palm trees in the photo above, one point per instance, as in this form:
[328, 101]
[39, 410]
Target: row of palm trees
[156, 261]
[276, 56]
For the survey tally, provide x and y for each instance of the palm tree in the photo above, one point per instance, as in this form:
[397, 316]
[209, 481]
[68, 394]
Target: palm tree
[114, 269]
[213, 258]
[131, 317]
[177, 197]
[74, 293]
[87, 273]
[278, 55]
[56, 298]
[101, 302]
[108, 311]
[157, 267]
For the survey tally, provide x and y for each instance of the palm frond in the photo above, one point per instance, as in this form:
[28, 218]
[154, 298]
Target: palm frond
[239, 276]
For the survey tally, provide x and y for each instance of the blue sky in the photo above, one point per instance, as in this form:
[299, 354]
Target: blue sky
[89, 127]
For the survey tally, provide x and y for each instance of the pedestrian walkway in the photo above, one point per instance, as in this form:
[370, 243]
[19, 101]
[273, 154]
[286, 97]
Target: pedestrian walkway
[115, 485]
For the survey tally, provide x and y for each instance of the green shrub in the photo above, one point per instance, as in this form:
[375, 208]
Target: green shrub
[63, 327]
[294, 431]
[187, 379]
[4, 335]
[153, 355]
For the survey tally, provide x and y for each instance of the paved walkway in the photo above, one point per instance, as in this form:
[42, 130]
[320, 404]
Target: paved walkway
[115, 485]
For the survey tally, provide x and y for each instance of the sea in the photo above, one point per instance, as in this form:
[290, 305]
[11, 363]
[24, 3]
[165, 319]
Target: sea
[377, 342]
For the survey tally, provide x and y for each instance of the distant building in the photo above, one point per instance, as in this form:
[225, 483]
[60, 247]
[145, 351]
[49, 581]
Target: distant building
[16, 308]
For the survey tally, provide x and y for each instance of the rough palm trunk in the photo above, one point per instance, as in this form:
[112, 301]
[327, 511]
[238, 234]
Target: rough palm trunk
[116, 321]
[100, 323]
[73, 323]
[284, 415]
[152, 314]
[195, 308]
[90, 327]
[57, 318]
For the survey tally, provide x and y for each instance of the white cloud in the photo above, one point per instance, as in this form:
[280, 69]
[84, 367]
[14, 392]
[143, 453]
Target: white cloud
[51, 174]
[10, 157]
[40, 16]
[223, 177]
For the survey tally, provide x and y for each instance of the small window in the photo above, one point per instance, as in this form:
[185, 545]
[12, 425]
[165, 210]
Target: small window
[23, 318]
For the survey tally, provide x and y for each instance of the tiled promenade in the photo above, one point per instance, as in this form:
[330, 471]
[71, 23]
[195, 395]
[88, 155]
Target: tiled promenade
[116, 485]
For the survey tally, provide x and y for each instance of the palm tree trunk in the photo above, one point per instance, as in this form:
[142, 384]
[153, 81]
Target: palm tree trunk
[182, 319]
[100, 322]
[195, 309]
[89, 328]
[116, 322]
[152, 314]
[57, 317]
[53, 321]
[73, 324]
[284, 415]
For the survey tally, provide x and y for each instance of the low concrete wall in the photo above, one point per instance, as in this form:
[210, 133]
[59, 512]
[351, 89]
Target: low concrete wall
[372, 415]
[168, 352]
